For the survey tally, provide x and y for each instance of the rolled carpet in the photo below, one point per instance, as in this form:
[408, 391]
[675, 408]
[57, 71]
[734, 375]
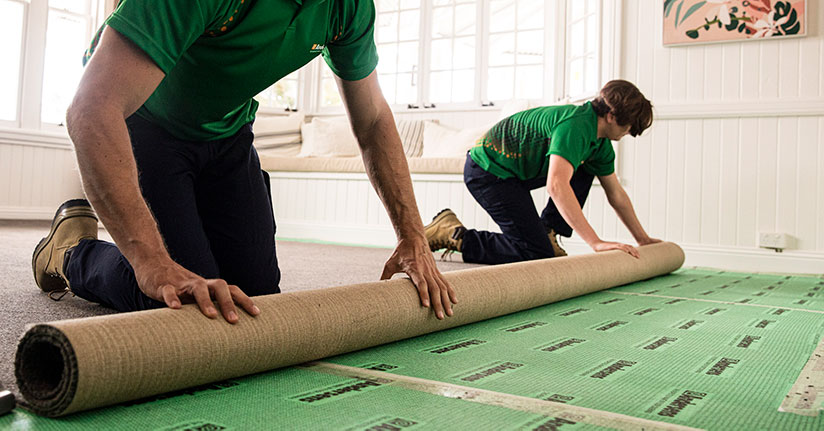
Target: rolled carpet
[74, 365]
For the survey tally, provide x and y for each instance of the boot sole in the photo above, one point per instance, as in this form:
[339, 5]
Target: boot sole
[70, 209]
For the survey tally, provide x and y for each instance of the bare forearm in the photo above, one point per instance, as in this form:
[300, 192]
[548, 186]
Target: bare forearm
[625, 211]
[570, 209]
[388, 171]
[109, 175]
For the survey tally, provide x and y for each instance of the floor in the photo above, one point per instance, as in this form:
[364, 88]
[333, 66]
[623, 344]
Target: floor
[693, 349]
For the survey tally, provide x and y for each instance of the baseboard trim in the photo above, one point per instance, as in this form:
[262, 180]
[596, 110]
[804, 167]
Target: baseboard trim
[726, 258]
[737, 258]
[373, 236]
[26, 213]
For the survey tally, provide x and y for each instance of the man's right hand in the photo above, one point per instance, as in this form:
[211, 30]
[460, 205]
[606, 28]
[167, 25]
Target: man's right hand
[608, 245]
[173, 284]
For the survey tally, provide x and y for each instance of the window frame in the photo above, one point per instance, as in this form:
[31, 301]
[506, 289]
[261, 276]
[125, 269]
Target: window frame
[21, 76]
[568, 60]
[33, 60]
[548, 52]
[608, 39]
[299, 98]
[93, 18]
[608, 52]
[417, 70]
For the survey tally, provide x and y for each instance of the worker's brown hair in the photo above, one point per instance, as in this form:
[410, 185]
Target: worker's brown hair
[626, 103]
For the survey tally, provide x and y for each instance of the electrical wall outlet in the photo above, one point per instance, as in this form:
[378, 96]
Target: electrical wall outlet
[776, 241]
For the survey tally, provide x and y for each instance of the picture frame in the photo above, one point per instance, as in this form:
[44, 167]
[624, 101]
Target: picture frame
[711, 21]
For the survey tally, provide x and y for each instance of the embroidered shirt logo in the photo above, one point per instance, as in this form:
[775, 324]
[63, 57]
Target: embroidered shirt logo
[317, 47]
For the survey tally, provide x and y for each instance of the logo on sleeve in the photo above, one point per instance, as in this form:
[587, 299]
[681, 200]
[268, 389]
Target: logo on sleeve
[317, 47]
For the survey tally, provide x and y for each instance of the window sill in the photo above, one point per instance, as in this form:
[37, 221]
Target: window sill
[37, 138]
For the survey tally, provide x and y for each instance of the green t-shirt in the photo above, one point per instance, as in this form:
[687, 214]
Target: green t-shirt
[519, 146]
[218, 54]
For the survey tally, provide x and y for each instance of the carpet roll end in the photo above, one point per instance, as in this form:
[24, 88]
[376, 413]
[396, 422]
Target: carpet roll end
[45, 367]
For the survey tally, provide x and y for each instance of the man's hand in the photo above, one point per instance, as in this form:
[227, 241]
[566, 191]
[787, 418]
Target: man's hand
[415, 259]
[171, 283]
[648, 240]
[607, 245]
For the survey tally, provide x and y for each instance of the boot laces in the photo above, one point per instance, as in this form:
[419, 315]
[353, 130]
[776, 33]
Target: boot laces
[447, 253]
[57, 295]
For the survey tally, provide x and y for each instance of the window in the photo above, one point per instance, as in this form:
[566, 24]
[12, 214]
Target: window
[42, 50]
[11, 33]
[283, 94]
[582, 59]
[397, 37]
[515, 50]
[460, 53]
[452, 59]
[329, 96]
[68, 31]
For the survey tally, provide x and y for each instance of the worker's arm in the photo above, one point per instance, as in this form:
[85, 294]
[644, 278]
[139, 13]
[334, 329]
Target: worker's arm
[558, 177]
[117, 81]
[620, 202]
[385, 162]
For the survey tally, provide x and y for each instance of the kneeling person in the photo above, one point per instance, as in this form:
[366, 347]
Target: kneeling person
[562, 148]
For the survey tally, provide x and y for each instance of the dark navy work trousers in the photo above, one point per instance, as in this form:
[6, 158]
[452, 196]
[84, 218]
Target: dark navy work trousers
[213, 208]
[509, 202]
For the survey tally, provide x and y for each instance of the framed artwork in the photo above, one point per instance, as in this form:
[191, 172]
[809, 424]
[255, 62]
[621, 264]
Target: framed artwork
[702, 21]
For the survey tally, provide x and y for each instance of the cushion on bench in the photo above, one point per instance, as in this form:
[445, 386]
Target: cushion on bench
[451, 165]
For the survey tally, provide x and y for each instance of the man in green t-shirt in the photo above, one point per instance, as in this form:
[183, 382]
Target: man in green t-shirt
[561, 148]
[161, 123]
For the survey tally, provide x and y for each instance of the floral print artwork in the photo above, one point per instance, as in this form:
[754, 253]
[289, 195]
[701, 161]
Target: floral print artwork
[696, 21]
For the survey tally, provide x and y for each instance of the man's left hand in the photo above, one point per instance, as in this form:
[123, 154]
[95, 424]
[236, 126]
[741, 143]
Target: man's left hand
[413, 257]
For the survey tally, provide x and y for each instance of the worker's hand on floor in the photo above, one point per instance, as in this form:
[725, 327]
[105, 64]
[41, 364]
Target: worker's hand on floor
[415, 259]
[173, 284]
[648, 240]
[608, 245]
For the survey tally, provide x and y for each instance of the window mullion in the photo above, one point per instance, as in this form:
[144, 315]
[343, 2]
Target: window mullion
[425, 51]
[317, 77]
[482, 57]
[319, 64]
[310, 86]
[560, 50]
[21, 68]
[610, 39]
[453, 42]
[550, 53]
[34, 60]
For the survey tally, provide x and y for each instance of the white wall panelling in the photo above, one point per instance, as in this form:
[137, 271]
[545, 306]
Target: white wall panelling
[737, 146]
[344, 208]
[37, 173]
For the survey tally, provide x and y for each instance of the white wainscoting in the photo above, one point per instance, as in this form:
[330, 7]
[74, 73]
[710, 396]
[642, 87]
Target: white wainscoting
[737, 147]
[344, 208]
[38, 172]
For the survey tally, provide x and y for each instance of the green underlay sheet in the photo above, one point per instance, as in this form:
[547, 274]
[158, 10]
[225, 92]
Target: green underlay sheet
[696, 348]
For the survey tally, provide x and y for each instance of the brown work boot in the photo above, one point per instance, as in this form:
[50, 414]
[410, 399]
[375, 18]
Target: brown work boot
[445, 231]
[556, 248]
[74, 220]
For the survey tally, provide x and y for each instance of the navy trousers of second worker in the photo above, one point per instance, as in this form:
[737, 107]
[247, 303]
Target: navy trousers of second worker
[509, 202]
[213, 208]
